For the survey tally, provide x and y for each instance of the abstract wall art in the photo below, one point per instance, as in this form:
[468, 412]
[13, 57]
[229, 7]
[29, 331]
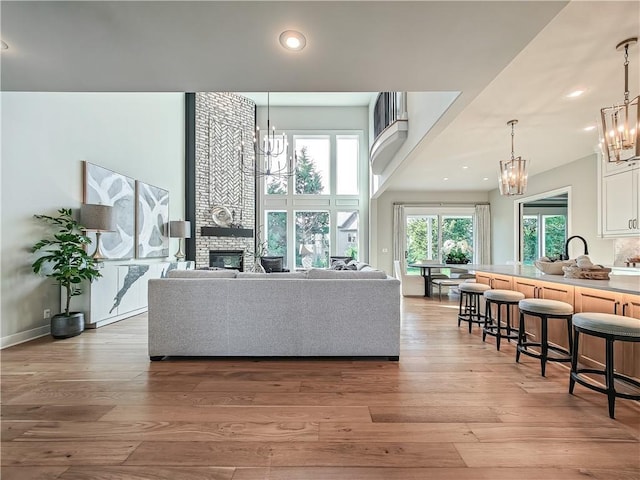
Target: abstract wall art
[152, 217]
[106, 187]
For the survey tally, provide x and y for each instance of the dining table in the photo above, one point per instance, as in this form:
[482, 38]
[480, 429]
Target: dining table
[425, 271]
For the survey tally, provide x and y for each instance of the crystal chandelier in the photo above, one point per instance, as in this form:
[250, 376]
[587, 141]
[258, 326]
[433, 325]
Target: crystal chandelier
[513, 173]
[271, 152]
[620, 122]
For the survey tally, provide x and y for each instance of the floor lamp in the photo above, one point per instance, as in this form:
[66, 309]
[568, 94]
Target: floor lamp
[179, 229]
[98, 218]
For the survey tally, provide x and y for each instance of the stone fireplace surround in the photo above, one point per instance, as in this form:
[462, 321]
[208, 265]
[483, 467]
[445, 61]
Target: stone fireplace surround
[219, 177]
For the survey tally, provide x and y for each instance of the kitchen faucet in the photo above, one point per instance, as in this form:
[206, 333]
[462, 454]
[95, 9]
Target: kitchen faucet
[565, 256]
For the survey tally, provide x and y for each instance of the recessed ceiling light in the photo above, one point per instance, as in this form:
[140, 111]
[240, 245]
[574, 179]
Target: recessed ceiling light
[3, 45]
[590, 128]
[445, 178]
[575, 94]
[465, 167]
[292, 40]
[485, 178]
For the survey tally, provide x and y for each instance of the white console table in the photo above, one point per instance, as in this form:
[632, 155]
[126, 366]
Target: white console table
[120, 292]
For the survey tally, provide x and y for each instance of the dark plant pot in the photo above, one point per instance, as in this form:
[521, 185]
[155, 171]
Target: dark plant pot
[456, 262]
[65, 326]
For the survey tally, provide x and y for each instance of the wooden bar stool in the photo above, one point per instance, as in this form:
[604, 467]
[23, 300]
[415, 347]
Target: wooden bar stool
[493, 326]
[470, 294]
[544, 309]
[611, 328]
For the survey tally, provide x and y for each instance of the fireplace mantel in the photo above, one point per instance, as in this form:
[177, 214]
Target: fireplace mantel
[226, 232]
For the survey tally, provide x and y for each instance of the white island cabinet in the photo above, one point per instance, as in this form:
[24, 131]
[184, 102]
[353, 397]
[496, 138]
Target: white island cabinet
[120, 292]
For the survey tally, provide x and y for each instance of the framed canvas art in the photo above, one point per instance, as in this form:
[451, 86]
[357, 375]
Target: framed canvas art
[106, 187]
[152, 217]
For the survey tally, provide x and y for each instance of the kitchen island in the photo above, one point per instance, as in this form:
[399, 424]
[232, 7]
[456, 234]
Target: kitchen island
[619, 295]
[617, 283]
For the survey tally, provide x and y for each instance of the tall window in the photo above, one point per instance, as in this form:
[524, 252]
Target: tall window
[427, 230]
[315, 213]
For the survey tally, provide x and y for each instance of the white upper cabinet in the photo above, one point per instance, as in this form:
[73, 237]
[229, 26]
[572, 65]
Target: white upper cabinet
[620, 199]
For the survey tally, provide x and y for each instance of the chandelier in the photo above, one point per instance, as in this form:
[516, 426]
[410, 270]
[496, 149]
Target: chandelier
[513, 173]
[271, 152]
[620, 122]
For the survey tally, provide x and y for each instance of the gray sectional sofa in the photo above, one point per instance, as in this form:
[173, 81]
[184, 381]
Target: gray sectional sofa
[302, 314]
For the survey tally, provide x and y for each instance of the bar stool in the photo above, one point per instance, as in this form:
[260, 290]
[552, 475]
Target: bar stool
[544, 309]
[470, 294]
[611, 328]
[493, 327]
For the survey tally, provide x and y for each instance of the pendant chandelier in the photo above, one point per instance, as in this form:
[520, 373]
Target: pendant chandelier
[271, 152]
[620, 122]
[513, 173]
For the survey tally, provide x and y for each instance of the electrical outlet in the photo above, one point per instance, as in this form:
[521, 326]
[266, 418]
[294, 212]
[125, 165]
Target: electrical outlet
[385, 250]
[46, 314]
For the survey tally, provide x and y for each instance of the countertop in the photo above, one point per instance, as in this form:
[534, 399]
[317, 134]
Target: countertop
[617, 283]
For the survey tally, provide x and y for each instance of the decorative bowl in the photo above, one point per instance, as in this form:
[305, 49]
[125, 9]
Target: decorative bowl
[553, 268]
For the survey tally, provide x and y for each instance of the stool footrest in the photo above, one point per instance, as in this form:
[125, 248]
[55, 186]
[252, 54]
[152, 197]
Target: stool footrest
[577, 377]
[522, 348]
[494, 330]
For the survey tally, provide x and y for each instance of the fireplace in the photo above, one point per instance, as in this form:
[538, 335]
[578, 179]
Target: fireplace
[231, 259]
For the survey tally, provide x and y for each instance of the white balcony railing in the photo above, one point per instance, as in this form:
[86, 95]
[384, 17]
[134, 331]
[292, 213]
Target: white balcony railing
[390, 127]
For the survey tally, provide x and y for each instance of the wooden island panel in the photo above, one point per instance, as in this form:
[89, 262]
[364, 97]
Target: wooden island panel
[632, 354]
[557, 329]
[627, 354]
[495, 280]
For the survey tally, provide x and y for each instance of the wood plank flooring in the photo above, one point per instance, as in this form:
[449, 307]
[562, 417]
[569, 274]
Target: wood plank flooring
[452, 408]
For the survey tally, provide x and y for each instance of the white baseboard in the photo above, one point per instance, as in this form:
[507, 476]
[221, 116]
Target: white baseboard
[16, 338]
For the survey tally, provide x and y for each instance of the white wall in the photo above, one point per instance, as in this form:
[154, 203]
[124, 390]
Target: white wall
[581, 175]
[45, 136]
[382, 208]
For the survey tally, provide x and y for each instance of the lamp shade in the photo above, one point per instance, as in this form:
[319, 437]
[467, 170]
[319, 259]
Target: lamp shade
[179, 229]
[97, 217]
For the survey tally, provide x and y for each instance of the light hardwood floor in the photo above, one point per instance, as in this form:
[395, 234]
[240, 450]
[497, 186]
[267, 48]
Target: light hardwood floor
[452, 408]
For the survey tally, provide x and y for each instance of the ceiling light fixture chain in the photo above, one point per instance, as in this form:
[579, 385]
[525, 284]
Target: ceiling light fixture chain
[626, 73]
[513, 135]
[621, 122]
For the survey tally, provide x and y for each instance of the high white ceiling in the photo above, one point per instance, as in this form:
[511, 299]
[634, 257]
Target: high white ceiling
[509, 59]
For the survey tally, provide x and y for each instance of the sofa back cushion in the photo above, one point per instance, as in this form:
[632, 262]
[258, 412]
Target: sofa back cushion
[275, 275]
[319, 273]
[202, 274]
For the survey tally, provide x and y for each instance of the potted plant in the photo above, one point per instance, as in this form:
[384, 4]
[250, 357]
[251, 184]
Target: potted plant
[65, 258]
[456, 252]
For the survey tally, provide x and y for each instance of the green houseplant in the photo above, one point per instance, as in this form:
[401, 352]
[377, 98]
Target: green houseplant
[64, 258]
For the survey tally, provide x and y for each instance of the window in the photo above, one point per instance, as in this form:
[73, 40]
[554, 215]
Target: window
[312, 165]
[347, 234]
[312, 239]
[276, 234]
[316, 213]
[347, 164]
[426, 233]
